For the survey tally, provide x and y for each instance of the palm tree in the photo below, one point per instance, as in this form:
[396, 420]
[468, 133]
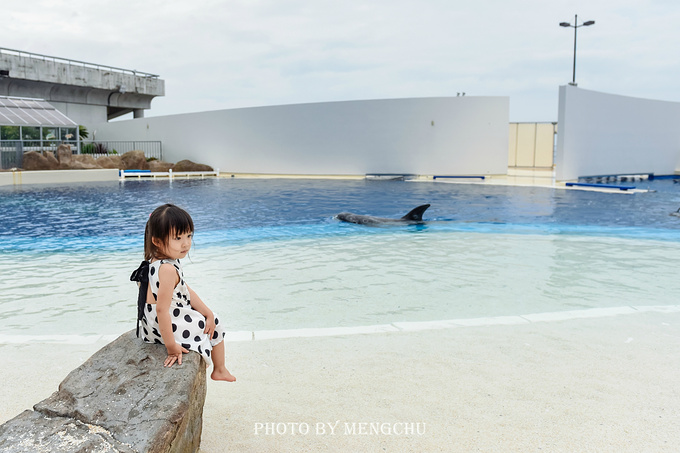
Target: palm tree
[82, 131]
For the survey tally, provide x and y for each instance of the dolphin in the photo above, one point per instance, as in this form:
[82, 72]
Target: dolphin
[413, 217]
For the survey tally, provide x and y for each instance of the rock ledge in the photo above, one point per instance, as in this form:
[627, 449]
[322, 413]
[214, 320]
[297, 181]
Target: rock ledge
[121, 399]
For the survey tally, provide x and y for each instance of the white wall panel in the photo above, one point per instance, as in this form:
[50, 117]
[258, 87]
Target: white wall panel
[606, 134]
[443, 136]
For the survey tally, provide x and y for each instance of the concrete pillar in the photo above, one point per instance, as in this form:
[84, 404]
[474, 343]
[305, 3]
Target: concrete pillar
[138, 113]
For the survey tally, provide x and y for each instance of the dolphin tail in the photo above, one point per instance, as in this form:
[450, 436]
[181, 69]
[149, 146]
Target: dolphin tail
[416, 214]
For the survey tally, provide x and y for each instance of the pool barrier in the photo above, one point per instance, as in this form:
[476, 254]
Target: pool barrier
[599, 186]
[458, 177]
[389, 176]
[675, 178]
[123, 174]
[619, 178]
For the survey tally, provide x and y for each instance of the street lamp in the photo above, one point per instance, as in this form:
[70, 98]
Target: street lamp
[575, 27]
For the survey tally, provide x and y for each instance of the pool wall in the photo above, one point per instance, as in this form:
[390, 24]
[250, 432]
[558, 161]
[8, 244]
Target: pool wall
[607, 134]
[17, 178]
[443, 135]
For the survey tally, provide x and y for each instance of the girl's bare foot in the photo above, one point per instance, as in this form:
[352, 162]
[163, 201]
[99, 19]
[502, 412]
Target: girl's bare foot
[222, 375]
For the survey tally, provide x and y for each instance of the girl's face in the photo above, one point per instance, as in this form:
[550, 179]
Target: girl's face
[176, 246]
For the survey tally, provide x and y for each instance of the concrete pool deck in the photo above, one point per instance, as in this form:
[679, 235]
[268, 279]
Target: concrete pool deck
[595, 384]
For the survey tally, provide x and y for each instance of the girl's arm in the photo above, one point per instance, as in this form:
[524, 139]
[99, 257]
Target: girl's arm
[168, 278]
[203, 309]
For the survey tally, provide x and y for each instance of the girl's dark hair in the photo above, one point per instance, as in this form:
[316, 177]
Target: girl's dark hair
[164, 221]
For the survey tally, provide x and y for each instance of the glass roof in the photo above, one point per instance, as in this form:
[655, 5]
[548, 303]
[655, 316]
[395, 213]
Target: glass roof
[31, 112]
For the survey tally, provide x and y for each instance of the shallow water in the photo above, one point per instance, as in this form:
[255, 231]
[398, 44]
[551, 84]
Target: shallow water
[269, 255]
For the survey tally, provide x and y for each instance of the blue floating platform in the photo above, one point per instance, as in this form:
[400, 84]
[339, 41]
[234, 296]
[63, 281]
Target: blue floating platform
[600, 186]
[459, 177]
[666, 177]
[134, 172]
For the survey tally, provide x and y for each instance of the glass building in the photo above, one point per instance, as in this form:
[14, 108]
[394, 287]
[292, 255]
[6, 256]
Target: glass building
[32, 125]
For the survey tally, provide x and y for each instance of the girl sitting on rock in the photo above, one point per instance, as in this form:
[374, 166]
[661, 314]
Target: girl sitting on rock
[171, 313]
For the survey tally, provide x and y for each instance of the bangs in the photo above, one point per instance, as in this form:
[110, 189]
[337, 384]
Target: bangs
[173, 221]
[178, 222]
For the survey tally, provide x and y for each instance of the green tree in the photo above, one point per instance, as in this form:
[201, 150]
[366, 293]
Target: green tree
[9, 133]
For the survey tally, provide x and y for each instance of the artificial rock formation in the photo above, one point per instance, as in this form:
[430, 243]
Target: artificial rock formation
[187, 165]
[159, 165]
[134, 160]
[64, 156]
[37, 161]
[121, 399]
[110, 161]
[131, 160]
[83, 162]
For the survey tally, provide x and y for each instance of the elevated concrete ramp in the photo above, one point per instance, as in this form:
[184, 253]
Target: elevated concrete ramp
[110, 91]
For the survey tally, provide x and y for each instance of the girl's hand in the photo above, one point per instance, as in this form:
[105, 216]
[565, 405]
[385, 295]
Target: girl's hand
[174, 354]
[210, 325]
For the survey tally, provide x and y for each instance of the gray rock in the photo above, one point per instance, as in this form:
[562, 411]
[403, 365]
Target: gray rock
[57, 435]
[121, 395]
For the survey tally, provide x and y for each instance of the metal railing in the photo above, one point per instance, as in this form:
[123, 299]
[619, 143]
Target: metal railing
[37, 56]
[11, 154]
[152, 149]
[40, 145]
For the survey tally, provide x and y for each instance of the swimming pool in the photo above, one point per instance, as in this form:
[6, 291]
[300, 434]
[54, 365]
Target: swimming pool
[269, 255]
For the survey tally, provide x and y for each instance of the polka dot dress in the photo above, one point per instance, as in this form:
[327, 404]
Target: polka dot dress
[187, 323]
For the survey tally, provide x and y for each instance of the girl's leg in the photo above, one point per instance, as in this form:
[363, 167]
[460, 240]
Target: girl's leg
[220, 372]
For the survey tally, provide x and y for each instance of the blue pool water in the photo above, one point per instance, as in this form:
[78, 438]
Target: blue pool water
[102, 215]
[268, 254]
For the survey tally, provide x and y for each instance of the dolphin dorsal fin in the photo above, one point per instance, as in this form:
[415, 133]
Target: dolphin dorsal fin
[416, 213]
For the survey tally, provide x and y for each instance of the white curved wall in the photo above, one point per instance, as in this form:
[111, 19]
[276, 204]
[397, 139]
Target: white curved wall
[442, 136]
[607, 134]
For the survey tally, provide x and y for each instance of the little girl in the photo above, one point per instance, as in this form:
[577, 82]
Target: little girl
[172, 313]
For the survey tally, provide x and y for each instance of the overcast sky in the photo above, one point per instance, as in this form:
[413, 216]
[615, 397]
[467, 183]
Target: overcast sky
[230, 54]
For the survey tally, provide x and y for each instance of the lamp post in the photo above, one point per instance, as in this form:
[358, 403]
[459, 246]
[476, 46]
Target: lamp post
[575, 27]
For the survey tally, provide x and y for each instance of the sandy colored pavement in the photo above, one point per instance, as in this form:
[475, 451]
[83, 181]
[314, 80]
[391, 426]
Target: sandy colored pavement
[603, 384]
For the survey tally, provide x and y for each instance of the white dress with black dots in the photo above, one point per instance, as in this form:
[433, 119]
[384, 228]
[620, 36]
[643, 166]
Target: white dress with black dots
[187, 323]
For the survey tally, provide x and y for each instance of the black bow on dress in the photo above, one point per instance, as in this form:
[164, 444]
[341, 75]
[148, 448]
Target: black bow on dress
[141, 275]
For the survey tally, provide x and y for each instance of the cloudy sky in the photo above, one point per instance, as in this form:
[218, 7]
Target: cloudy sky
[220, 54]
